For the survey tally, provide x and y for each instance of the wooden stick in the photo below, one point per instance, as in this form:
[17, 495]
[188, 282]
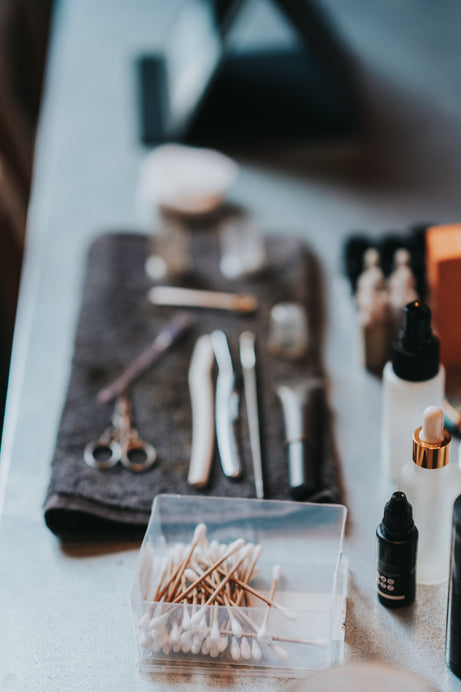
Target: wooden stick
[226, 579]
[199, 533]
[232, 549]
[276, 573]
[256, 555]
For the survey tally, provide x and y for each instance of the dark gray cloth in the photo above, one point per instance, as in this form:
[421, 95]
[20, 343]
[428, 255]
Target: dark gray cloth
[116, 323]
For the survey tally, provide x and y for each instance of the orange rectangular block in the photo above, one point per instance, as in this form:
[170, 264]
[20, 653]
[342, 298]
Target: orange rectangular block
[443, 270]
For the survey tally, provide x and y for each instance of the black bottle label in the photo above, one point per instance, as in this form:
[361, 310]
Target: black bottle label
[395, 587]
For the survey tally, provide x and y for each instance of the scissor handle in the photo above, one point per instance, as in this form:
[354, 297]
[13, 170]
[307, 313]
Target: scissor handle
[102, 454]
[137, 455]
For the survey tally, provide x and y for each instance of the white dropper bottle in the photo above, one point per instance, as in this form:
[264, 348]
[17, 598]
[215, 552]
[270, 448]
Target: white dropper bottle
[412, 379]
[431, 483]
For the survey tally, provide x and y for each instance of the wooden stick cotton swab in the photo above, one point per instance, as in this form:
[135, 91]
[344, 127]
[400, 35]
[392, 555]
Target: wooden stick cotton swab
[232, 549]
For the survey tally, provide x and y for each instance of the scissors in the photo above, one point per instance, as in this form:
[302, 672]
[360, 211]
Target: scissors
[120, 442]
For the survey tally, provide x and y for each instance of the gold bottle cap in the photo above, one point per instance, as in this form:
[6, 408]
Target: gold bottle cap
[431, 456]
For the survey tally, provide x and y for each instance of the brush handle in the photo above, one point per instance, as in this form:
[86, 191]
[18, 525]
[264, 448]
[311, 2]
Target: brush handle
[195, 298]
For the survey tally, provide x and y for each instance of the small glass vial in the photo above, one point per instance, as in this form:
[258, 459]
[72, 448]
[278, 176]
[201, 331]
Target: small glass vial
[168, 249]
[431, 483]
[397, 539]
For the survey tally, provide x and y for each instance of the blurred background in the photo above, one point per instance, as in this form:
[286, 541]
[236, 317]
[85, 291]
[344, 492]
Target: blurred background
[24, 31]
[361, 100]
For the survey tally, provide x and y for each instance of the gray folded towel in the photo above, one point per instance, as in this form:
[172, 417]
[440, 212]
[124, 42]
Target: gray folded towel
[116, 323]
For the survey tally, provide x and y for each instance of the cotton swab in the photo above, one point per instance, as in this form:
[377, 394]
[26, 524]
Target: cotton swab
[276, 574]
[236, 545]
[289, 614]
[199, 533]
[200, 583]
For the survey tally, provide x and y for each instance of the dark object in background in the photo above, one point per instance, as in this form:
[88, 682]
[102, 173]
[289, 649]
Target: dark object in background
[24, 29]
[308, 91]
[357, 243]
[112, 327]
[453, 633]
[397, 545]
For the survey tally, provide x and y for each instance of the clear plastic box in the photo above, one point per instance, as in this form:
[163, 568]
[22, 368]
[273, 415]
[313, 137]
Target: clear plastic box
[303, 631]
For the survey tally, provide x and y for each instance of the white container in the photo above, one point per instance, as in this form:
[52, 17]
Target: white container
[432, 483]
[305, 539]
[403, 406]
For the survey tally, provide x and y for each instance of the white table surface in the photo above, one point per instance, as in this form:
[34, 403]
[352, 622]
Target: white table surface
[65, 620]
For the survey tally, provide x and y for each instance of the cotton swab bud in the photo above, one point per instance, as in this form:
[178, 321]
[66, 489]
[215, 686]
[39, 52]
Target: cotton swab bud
[223, 643]
[175, 633]
[177, 551]
[144, 621]
[199, 533]
[185, 619]
[236, 545]
[186, 641]
[214, 633]
[256, 652]
[203, 629]
[261, 634]
[166, 648]
[214, 650]
[245, 649]
[286, 612]
[163, 637]
[158, 620]
[196, 643]
[190, 574]
[251, 549]
[236, 628]
[156, 646]
[145, 640]
[205, 647]
[197, 618]
[279, 652]
[276, 572]
[213, 550]
[322, 643]
[235, 650]
[257, 552]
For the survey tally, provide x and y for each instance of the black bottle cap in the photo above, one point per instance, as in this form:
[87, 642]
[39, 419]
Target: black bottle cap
[398, 516]
[415, 351]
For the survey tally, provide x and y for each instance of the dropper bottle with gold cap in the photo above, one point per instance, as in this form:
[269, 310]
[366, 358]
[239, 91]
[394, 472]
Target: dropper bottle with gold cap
[431, 483]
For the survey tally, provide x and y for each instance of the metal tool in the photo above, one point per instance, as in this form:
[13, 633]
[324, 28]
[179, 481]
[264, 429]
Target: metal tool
[303, 411]
[170, 335]
[202, 402]
[227, 401]
[120, 443]
[248, 361]
[194, 298]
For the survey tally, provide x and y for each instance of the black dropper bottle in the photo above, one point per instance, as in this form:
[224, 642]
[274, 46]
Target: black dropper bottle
[453, 635]
[397, 544]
